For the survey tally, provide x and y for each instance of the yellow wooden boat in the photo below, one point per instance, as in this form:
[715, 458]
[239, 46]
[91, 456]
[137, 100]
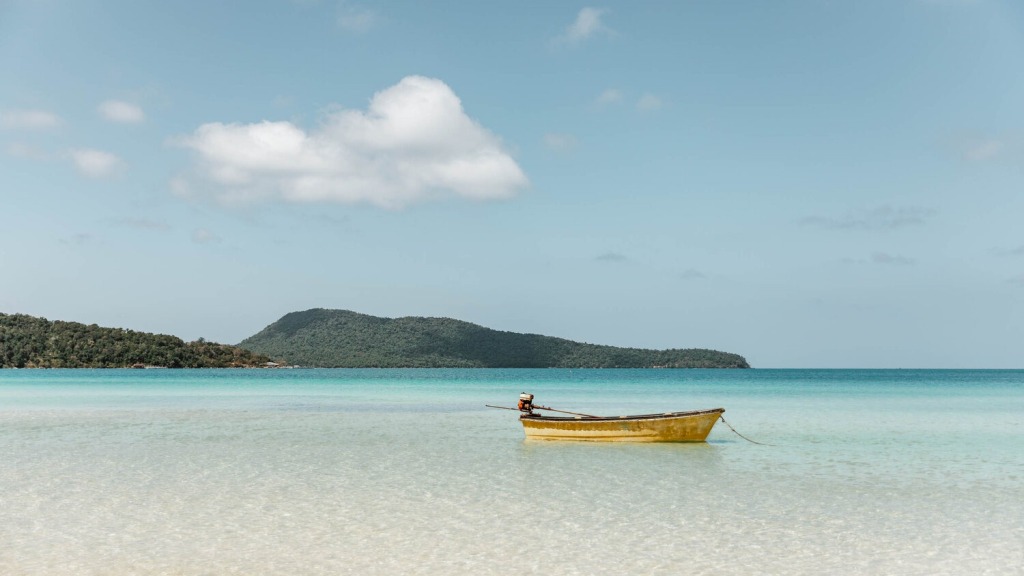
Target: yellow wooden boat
[692, 426]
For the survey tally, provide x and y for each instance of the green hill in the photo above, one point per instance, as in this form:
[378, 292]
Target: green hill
[30, 342]
[339, 338]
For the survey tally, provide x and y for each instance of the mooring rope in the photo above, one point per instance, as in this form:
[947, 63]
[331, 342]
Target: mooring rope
[722, 418]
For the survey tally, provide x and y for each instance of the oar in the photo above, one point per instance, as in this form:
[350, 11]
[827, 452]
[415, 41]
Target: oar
[566, 412]
[545, 408]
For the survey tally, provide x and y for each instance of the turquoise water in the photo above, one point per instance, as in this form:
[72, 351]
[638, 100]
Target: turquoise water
[405, 472]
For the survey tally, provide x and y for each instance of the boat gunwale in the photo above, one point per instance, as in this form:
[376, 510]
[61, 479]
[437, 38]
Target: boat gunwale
[663, 415]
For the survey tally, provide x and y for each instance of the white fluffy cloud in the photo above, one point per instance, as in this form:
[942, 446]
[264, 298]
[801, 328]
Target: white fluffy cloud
[587, 24]
[28, 120]
[414, 142]
[96, 163]
[124, 112]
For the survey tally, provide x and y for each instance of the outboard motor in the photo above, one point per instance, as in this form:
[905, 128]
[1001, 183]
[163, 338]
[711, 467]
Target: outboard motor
[526, 403]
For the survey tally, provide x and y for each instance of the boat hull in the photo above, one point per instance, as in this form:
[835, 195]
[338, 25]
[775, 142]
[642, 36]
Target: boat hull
[669, 427]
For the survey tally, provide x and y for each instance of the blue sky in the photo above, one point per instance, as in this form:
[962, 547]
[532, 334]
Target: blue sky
[807, 183]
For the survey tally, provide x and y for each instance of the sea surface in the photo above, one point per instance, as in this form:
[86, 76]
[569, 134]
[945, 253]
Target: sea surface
[406, 472]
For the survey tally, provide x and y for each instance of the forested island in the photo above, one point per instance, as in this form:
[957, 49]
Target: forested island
[322, 338]
[31, 342]
[344, 339]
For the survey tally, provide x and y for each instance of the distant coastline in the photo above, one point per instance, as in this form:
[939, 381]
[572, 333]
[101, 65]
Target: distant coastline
[32, 342]
[321, 338]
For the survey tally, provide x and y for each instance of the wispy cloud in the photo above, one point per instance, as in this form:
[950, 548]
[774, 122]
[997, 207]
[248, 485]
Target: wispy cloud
[181, 188]
[25, 151]
[609, 97]
[951, 2]
[121, 112]
[28, 120]
[881, 218]
[587, 25]
[355, 18]
[693, 274]
[78, 239]
[891, 259]
[414, 143]
[612, 257]
[1018, 251]
[142, 224]
[96, 163]
[978, 151]
[205, 236]
[559, 142]
[649, 102]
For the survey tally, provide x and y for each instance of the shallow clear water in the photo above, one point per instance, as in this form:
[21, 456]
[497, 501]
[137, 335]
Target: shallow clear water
[405, 472]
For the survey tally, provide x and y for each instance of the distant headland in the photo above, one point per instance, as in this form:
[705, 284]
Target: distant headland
[320, 338]
[344, 339]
